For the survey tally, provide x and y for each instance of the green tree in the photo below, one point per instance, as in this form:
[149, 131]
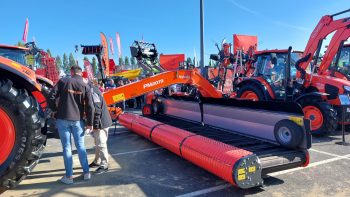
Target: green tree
[133, 62]
[49, 52]
[189, 60]
[127, 64]
[59, 65]
[66, 67]
[194, 61]
[20, 44]
[71, 60]
[94, 66]
[121, 62]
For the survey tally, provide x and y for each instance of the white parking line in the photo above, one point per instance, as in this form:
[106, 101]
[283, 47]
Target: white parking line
[220, 187]
[327, 153]
[137, 151]
[205, 191]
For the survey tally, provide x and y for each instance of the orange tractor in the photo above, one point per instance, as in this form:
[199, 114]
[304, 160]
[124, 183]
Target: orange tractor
[284, 75]
[24, 116]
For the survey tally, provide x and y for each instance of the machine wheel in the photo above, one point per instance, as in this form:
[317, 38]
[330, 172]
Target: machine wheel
[157, 107]
[147, 110]
[288, 133]
[22, 142]
[252, 92]
[321, 114]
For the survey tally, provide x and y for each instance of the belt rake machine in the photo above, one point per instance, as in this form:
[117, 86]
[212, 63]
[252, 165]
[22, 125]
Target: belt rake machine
[237, 140]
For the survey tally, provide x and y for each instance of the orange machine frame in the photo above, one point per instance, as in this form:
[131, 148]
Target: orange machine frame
[159, 81]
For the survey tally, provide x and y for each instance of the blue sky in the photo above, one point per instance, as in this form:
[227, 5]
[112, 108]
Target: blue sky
[172, 25]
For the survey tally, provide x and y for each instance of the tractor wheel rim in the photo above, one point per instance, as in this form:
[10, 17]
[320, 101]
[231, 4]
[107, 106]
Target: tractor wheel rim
[314, 115]
[250, 95]
[7, 136]
[285, 135]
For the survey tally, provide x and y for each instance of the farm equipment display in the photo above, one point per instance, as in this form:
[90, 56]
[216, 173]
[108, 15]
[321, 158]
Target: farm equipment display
[231, 68]
[284, 75]
[206, 128]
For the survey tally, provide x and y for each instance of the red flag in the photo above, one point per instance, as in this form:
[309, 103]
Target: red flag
[111, 45]
[105, 58]
[119, 45]
[244, 42]
[88, 69]
[25, 33]
[171, 62]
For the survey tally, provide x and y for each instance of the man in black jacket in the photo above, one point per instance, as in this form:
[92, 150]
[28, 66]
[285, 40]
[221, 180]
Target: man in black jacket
[102, 120]
[71, 98]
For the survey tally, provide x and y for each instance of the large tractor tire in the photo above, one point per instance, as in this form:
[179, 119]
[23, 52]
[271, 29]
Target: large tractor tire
[252, 92]
[21, 140]
[321, 114]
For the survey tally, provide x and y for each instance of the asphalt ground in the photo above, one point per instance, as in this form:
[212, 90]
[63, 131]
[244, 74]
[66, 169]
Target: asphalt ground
[140, 168]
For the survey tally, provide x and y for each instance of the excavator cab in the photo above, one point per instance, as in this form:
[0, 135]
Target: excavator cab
[341, 62]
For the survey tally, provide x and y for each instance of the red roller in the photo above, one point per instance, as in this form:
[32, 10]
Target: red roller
[237, 166]
[126, 120]
[216, 157]
[144, 126]
[170, 137]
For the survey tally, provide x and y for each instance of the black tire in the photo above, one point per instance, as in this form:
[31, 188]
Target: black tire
[157, 107]
[251, 87]
[328, 113]
[29, 141]
[131, 103]
[288, 134]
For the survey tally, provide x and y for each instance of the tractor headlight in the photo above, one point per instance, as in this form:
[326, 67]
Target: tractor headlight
[347, 88]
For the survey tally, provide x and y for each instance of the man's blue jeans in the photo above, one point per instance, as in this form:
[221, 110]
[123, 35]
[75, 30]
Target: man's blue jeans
[66, 128]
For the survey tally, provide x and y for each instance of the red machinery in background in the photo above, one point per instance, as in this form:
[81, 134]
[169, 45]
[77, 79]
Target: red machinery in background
[47, 65]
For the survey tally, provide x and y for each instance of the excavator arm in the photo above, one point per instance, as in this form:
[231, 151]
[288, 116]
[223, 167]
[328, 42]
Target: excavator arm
[324, 27]
[334, 47]
[159, 81]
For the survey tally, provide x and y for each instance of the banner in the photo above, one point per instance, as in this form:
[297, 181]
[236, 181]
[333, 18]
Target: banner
[171, 62]
[119, 45]
[88, 69]
[105, 58]
[111, 45]
[25, 32]
[244, 42]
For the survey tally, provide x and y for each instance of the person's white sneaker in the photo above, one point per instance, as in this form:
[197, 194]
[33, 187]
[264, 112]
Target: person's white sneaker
[66, 180]
[87, 176]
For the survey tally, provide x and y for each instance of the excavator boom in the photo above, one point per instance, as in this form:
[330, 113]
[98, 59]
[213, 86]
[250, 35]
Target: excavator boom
[159, 81]
[324, 27]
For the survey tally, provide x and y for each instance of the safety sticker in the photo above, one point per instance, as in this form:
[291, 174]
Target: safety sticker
[118, 97]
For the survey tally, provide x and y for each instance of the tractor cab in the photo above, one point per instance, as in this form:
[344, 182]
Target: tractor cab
[273, 67]
[15, 53]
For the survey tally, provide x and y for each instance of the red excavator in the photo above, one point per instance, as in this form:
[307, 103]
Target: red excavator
[284, 75]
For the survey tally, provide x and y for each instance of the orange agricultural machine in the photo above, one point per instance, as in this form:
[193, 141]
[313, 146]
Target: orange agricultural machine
[24, 116]
[237, 140]
[283, 75]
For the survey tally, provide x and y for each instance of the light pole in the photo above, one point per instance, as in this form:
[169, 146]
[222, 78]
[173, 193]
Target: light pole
[201, 64]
